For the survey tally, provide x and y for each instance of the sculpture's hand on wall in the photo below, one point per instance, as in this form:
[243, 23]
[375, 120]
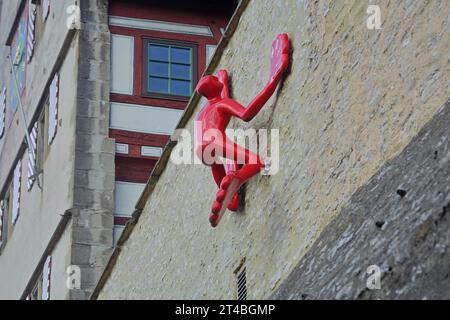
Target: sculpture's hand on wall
[279, 57]
[279, 61]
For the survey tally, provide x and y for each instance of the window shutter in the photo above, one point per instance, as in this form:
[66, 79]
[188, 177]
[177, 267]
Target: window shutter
[31, 28]
[32, 156]
[53, 109]
[16, 192]
[2, 210]
[45, 9]
[46, 278]
[210, 50]
[2, 111]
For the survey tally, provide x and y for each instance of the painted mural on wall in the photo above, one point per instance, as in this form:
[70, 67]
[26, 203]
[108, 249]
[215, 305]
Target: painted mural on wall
[212, 144]
[19, 58]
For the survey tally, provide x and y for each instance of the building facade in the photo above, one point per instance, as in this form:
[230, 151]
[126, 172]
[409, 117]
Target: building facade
[158, 52]
[90, 93]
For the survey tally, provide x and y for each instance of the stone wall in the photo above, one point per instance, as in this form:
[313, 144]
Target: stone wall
[398, 221]
[353, 99]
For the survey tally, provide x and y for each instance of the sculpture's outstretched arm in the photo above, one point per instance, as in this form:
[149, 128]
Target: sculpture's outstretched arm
[279, 63]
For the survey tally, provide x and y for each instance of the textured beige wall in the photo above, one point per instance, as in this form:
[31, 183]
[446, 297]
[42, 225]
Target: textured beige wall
[354, 98]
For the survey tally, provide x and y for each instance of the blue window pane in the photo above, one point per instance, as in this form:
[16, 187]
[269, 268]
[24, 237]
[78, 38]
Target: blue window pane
[180, 71]
[180, 55]
[160, 69]
[181, 88]
[158, 52]
[158, 85]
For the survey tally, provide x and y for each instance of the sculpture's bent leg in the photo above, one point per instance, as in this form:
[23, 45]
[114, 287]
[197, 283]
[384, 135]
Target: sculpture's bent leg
[231, 166]
[219, 172]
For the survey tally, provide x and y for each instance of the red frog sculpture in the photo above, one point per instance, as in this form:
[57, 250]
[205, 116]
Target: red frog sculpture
[212, 144]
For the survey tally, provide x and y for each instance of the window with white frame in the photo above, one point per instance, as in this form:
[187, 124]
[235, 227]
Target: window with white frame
[122, 63]
[2, 214]
[5, 217]
[18, 57]
[126, 194]
[10, 205]
[53, 99]
[2, 111]
[46, 276]
[41, 141]
[36, 292]
[31, 30]
[241, 280]
[32, 156]
[169, 68]
[45, 9]
[16, 187]
[41, 289]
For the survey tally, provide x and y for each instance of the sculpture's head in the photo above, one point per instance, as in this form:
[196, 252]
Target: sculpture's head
[210, 87]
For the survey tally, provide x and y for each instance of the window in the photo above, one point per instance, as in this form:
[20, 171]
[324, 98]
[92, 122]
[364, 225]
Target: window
[2, 111]
[46, 274]
[53, 108]
[210, 50]
[41, 290]
[145, 119]
[36, 293]
[122, 64]
[40, 12]
[16, 186]
[45, 9]
[10, 204]
[126, 194]
[41, 142]
[37, 149]
[31, 31]
[170, 69]
[2, 214]
[5, 218]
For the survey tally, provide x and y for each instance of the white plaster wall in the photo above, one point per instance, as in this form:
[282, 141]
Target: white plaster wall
[41, 210]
